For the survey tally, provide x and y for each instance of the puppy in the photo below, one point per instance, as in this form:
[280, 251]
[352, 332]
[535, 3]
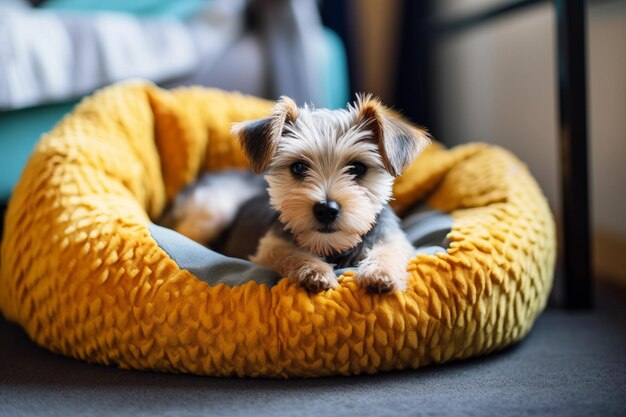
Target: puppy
[329, 176]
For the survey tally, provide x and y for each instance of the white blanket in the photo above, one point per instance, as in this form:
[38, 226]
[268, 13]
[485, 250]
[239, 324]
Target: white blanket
[50, 57]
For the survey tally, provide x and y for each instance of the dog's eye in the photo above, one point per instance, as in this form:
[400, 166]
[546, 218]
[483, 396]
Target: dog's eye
[299, 168]
[358, 169]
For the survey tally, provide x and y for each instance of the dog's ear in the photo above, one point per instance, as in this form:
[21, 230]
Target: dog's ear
[259, 138]
[398, 141]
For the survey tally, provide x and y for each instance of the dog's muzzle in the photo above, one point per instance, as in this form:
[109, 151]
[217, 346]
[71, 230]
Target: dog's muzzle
[326, 212]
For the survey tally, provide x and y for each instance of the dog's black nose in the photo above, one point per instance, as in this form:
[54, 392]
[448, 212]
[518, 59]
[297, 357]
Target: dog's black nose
[326, 211]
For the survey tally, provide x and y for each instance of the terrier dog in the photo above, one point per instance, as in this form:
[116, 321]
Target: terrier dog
[329, 176]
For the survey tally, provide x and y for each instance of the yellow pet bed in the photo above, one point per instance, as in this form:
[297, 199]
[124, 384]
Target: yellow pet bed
[83, 276]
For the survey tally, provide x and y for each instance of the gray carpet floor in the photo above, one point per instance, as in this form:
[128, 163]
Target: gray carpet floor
[571, 364]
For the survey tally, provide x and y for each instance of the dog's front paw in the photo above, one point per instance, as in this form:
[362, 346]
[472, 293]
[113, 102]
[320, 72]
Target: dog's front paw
[381, 279]
[315, 277]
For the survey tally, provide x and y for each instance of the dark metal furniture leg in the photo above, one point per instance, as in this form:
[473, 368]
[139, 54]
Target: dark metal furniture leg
[570, 16]
[414, 66]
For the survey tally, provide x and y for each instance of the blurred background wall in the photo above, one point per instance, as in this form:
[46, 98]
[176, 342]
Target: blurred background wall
[54, 52]
[497, 83]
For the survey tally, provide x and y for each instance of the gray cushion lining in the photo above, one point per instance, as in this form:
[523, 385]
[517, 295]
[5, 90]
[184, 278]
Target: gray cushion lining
[426, 229]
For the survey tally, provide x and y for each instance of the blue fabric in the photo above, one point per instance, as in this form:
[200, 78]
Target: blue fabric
[19, 132]
[334, 73]
[178, 8]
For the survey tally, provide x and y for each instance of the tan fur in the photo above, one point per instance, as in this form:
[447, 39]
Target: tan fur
[285, 111]
[300, 266]
[294, 199]
[384, 268]
[387, 126]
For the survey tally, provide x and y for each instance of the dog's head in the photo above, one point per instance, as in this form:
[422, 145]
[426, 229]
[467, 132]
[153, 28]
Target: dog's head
[330, 172]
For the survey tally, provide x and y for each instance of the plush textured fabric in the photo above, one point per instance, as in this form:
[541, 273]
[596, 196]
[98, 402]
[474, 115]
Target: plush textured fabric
[81, 274]
[570, 365]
